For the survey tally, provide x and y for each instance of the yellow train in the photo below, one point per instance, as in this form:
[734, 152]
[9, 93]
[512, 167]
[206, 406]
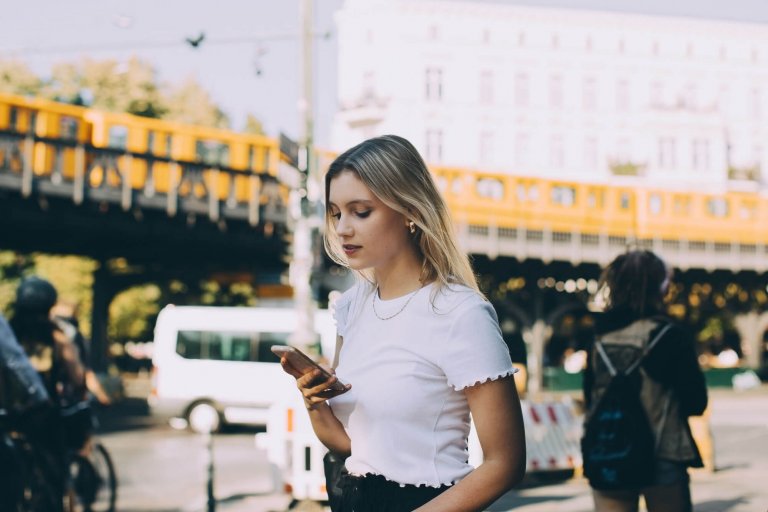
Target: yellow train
[150, 150]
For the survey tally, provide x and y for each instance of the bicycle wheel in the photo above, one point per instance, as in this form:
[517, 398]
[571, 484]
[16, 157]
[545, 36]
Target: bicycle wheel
[95, 482]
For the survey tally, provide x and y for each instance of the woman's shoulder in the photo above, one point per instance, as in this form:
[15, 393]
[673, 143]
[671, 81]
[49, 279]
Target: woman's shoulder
[350, 301]
[454, 299]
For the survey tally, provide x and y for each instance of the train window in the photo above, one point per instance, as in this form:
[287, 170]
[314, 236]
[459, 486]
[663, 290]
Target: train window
[13, 118]
[68, 127]
[717, 207]
[150, 142]
[168, 145]
[565, 196]
[212, 152]
[595, 199]
[118, 136]
[251, 157]
[654, 204]
[490, 188]
[624, 201]
[31, 129]
[442, 183]
[456, 186]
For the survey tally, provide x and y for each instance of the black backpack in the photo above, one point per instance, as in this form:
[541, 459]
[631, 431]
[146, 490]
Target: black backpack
[619, 446]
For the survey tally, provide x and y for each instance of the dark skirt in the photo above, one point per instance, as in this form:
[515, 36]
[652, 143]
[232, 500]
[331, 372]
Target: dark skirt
[374, 493]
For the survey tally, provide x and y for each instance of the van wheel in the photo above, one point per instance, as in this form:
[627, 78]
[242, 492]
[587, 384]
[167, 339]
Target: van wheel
[203, 417]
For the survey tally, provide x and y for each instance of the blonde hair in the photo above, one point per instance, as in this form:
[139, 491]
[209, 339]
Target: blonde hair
[395, 173]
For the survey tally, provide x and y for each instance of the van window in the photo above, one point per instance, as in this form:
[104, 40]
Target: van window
[229, 346]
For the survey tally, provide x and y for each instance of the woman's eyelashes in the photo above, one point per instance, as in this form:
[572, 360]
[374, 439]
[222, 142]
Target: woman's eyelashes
[361, 214]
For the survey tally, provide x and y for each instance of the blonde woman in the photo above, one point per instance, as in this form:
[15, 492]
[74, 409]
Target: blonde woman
[421, 348]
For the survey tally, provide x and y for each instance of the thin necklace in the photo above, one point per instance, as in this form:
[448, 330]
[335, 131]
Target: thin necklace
[373, 302]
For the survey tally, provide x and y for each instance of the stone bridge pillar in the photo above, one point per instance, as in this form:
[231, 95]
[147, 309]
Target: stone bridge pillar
[751, 327]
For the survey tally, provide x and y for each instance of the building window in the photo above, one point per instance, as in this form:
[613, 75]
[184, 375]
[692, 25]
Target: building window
[522, 94]
[486, 36]
[691, 94]
[623, 151]
[522, 149]
[756, 103]
[588, 44]
[555, 41]
[369, 36]
[486, 87]
[590, 94]
[556, 152]
[723, 53]
[622, 46]
[434, 146]
[556, 91]
[655, 49]
[433, 84]
[666, 154]
[521, 39]
[433, 34]
[622, 95]
[486, 147]
[656, 94]
[700, 154]
[590, 153]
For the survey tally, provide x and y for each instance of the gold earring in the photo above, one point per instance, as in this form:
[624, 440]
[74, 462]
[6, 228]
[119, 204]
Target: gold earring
[411, 226]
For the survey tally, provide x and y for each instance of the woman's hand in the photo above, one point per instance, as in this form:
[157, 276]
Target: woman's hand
[314, 387]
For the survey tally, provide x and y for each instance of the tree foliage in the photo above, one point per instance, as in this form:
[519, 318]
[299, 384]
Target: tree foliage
[131, 86]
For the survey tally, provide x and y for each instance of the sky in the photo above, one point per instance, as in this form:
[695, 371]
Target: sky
[250, 58]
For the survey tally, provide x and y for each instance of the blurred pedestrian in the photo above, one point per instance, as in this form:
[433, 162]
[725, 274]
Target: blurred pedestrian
[633, 331]
[65, 316]
[420, 346]
[55, 357]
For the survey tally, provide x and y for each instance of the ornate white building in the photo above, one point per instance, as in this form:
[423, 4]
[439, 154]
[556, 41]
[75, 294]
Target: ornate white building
[574, 94]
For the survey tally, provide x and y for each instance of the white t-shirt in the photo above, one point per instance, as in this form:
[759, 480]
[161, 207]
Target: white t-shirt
[406, 414]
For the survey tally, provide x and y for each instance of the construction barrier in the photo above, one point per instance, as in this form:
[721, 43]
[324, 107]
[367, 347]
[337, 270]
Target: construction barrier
[552, 434]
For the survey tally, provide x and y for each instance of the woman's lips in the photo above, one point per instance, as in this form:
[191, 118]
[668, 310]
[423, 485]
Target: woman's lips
[349, 250]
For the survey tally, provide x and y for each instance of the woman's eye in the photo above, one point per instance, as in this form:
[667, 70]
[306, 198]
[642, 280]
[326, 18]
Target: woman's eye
[336, 215]
[363, 214]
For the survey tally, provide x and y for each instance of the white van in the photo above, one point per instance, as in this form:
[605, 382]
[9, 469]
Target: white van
[214, 366]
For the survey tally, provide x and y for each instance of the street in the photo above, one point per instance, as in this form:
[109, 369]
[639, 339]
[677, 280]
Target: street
[163, 470]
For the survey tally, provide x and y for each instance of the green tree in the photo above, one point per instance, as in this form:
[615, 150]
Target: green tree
[190, 103]
[109, 85]
[253, 125]
[17, 78]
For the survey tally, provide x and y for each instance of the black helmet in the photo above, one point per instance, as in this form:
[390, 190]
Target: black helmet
[35, 294]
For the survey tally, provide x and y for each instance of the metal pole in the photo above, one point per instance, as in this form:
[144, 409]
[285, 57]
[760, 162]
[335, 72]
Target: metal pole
[302, 264]
[209, 487]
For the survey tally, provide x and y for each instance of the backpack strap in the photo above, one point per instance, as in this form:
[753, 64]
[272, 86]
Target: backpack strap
[607, 360]
[648, 348]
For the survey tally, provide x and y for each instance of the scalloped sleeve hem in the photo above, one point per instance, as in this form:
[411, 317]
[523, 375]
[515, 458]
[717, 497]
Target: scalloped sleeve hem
[469, 382]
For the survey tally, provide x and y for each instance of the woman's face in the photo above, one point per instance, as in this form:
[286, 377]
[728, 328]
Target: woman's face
[372, 234]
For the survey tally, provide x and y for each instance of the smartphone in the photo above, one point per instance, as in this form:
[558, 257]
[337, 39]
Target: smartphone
[304, 364]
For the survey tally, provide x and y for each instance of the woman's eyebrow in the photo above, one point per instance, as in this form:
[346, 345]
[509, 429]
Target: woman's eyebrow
[354, 202]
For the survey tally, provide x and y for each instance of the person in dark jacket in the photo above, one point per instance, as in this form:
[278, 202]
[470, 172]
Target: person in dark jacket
[673, 386]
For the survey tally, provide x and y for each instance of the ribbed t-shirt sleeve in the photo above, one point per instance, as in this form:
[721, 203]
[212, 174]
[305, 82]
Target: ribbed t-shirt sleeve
[475, 351]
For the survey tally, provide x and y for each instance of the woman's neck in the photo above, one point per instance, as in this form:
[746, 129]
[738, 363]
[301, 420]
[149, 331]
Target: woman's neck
[399, 279]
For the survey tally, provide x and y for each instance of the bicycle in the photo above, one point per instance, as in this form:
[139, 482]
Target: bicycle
[92, 481]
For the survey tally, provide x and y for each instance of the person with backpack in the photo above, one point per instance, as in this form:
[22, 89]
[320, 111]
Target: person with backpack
[641, 384]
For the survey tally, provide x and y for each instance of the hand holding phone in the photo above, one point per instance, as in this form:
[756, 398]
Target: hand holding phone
[302, 363]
